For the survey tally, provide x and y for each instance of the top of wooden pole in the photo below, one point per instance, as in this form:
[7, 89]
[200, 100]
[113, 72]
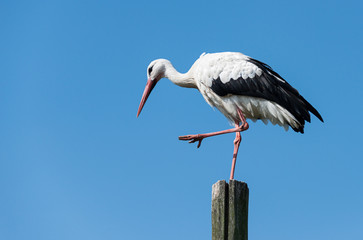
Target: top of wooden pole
[230, 210]
[220, 210]
[238, 194]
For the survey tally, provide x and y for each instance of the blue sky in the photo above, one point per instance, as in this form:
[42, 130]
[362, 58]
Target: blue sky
[76, 163]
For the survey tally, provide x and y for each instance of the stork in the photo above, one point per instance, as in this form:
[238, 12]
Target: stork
[240, 87]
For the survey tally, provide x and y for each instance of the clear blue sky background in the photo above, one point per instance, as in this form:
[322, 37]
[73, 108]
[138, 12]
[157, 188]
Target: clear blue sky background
[75, 163]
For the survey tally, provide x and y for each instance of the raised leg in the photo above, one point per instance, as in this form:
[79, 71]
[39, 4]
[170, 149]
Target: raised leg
[199, 137]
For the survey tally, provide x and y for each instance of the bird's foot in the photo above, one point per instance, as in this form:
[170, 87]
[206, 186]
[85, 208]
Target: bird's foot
[193, 138]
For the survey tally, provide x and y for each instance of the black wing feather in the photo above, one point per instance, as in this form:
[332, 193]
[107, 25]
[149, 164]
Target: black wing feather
[269, 87]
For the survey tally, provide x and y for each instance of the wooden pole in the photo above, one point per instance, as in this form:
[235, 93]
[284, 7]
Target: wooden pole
[230, 210]
[220, 210]
[238, 210]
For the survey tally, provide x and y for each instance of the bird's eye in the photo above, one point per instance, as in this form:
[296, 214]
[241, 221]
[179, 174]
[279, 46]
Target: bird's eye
[150, 69]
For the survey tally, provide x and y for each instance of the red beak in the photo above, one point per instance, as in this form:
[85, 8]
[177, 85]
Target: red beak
[149, 87]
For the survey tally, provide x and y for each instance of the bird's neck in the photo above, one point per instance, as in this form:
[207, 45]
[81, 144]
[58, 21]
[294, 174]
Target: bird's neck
[180, 79]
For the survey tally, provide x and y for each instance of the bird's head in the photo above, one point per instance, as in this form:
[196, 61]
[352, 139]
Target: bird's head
[155, 72]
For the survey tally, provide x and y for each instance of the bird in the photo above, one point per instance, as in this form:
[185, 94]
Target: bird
[241, 88]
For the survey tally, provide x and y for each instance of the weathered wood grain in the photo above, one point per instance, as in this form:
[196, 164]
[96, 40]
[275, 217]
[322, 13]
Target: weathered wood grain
[230, 210]
[238, 210]
[220, 210]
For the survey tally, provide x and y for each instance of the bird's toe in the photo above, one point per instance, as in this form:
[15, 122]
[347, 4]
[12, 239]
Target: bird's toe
[185, 138]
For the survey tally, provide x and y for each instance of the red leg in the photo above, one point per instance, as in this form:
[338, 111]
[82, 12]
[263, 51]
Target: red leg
[199, 137]
[236, 142]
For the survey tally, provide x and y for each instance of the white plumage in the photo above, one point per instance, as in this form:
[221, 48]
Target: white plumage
[240, 87]
[238, 75]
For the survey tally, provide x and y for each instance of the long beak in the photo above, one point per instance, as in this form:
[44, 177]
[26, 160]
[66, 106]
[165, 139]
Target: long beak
[149, 87]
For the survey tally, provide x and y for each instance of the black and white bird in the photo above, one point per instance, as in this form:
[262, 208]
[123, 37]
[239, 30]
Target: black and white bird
[240, 87]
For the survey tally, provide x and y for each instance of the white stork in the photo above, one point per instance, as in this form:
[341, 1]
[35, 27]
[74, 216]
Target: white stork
[240, 87]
